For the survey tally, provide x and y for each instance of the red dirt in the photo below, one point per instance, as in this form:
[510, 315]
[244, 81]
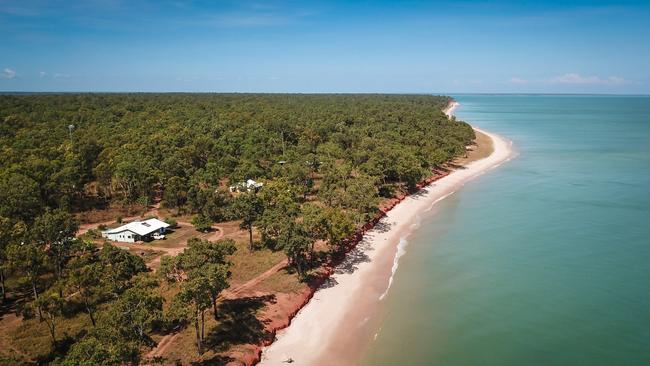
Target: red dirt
[279, 312]
[9, 322]
[243, 288]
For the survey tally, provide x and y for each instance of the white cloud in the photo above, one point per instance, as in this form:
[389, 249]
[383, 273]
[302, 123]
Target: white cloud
[8, 73]
[42, 74]
[61, 76]
[574, 78]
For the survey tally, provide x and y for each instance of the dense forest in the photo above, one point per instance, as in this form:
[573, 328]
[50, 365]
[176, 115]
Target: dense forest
[325, 160]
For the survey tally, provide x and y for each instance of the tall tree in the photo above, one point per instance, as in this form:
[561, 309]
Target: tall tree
[19, 197]
[135, 312]
[175, 194]
[340, 225]
[249, 208]
[123, 329]
[55, 231]
[280, 204]
[10, 232]
[85, 279]
[202, 258]
[118, 267]
[315, 221]
[30, 259]
[51, 305]
[295, 242]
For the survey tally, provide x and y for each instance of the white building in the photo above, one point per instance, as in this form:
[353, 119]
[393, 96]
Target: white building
[136, 231]
[246, 186]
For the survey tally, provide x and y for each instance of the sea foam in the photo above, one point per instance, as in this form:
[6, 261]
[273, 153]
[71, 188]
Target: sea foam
[401, 250]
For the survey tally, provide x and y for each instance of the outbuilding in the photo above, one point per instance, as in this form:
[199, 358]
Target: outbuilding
[247, 186]
[136, 231]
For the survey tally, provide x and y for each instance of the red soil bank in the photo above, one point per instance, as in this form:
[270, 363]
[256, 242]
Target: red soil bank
[278, 314]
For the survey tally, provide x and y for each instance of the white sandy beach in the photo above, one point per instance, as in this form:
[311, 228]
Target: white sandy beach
[334, 327]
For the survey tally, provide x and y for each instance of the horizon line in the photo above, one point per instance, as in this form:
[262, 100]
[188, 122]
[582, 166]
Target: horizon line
[341, 93]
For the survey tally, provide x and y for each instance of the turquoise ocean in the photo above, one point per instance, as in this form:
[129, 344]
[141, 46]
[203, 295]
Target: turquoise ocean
[544, 260]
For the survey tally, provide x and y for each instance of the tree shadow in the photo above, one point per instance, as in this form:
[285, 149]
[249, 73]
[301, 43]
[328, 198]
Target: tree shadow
[352, 259]
[456, 166]
[328, 283]
[19, 298]
[238, 323]
[382, 226]
[62, 346]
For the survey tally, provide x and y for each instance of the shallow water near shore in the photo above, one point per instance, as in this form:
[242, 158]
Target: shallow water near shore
[542, 261]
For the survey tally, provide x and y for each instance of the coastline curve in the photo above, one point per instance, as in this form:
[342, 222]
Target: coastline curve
[337, 322]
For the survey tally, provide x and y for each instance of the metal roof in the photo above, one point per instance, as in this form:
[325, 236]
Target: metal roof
[140, 227]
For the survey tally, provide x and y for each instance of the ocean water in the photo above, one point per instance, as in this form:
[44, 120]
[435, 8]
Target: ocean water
[542, 261]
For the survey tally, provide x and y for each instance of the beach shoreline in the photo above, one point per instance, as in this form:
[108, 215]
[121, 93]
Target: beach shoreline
[338, 323]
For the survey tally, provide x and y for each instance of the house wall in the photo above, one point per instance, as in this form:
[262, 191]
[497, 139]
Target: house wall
[123, 237]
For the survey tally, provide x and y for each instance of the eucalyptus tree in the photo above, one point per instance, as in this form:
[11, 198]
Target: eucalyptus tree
[11, 232]
[55, 231]
[51, 304]
[249, 208]
[202, 272]
[29, 259]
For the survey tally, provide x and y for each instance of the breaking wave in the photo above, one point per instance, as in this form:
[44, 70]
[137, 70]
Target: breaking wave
[401, 250]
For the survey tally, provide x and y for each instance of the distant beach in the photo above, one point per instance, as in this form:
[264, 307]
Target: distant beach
[335, 326]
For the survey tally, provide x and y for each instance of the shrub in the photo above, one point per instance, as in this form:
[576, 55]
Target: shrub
[172, 223]
[95, 233]
[202, 223]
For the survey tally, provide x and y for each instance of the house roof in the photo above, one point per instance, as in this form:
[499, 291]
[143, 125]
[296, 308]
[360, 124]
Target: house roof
[248, 184]
[140, 227]
[253, 184]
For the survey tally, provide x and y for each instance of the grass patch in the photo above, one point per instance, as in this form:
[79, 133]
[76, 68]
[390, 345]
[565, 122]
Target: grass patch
[248, 265]
[282, 281]
[33, 338]
[178, 238]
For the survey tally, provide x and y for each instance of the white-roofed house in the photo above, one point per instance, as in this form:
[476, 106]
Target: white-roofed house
[136, 231]
[246, 186]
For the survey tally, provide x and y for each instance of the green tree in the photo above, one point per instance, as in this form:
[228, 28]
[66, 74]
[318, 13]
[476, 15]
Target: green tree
[97, 350]
[295, 242]
[249, 208]
[30, 259]
[132, 316]
[279, 205]
[10, 232]
[19, 197]
[315, 221]
[190, 305]
[85, 279]
[55, 231]
[202, 258]
[50, 304]
[362, 195]
[118, 267]
[202, 223]
[340, 225]
[175, 194]
[203, 271]
[123, 329]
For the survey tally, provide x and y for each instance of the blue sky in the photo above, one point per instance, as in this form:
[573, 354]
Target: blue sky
[326, 46]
